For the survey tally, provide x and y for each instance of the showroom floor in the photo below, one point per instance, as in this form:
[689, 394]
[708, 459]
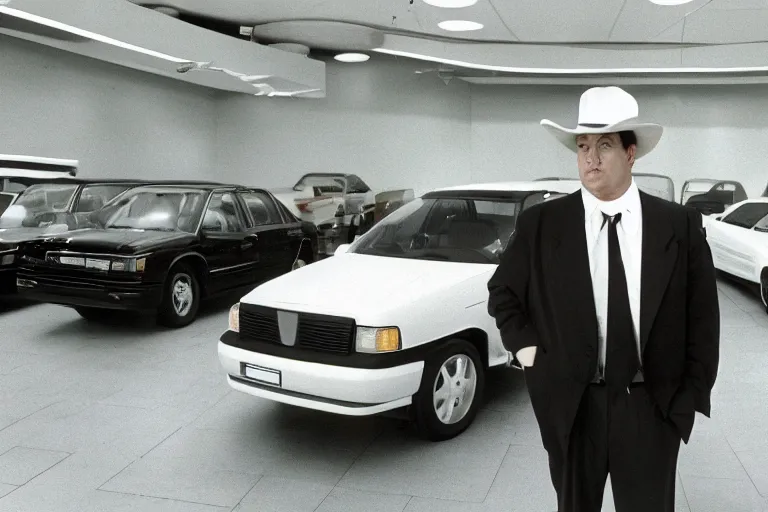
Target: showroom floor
[132, 417]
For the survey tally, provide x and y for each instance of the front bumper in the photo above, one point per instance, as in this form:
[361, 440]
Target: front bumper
[107, 295]
[8, 280]
[326, 387]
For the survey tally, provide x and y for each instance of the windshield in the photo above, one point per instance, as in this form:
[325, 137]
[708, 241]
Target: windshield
[462, 230]
[35, 206]
[156, 209]
[322, 184]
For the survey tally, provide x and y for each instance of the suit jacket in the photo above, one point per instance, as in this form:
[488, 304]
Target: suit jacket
[541, 295]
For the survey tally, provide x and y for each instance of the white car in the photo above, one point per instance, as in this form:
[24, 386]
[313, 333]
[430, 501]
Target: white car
[738, 239]
[339, 205]
[397, 319]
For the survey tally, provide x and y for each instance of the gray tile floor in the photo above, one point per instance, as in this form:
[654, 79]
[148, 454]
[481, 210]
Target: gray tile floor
[126, 416]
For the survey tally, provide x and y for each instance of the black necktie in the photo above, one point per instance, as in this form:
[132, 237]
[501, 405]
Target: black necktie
[621, 359]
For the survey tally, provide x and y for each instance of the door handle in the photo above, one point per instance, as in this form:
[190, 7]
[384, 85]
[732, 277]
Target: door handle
[246, 245]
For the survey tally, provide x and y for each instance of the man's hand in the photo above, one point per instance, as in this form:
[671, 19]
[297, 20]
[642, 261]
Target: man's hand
[526, 356]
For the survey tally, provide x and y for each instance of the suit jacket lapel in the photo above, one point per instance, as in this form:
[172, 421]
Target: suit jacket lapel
[659, 254]
[570, 259]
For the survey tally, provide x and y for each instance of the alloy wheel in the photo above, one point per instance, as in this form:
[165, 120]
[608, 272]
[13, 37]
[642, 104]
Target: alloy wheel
[182, 294]
[454, 390]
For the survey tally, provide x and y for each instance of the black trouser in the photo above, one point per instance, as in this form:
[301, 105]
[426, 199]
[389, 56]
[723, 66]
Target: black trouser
[620, 432]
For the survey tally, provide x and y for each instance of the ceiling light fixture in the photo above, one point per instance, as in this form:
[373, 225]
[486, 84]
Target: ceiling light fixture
[567, 71]
[86, 33]
[451, 4]
[352, 57]
[459, 25]
[670, 2]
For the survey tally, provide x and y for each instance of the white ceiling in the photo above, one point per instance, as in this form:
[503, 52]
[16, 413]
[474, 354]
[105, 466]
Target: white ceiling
[532, 21]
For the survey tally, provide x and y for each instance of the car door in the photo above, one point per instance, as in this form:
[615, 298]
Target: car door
[230, 249]
[267, 227]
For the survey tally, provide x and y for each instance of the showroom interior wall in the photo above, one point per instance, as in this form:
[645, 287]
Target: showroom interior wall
[397, 129]
[118, 122]
[380, 120]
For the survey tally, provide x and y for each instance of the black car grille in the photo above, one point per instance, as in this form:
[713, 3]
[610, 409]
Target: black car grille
[322, 333]
[78, 278]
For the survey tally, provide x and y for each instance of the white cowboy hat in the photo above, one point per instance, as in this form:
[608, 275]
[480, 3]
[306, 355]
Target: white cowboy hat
[607, 110]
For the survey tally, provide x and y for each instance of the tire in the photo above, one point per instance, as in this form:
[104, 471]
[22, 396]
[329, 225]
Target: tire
[764, 289]
[181, 297]
[426, 405]
[91, 314]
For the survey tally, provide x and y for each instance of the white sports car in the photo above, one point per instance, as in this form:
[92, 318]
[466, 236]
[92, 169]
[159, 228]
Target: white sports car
[398, 318]
[738, 239]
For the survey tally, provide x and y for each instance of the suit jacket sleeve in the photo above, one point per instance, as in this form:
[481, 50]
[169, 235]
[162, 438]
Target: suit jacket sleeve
[702, 318]
[508, 288]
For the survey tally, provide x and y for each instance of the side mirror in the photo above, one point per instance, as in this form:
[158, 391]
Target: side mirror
[341, 249]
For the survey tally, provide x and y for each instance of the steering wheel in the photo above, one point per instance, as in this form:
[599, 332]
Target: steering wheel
[419, 242]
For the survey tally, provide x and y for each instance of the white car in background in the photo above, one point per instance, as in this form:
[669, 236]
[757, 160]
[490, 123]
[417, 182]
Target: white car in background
[397, 319]
[340, 205]
[738, 239]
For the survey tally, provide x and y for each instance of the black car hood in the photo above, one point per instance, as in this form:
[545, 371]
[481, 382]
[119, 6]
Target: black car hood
[13, 236]
[115, 241]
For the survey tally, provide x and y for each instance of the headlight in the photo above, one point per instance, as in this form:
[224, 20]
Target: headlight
[129, 264]
[377, 339]
[234, 318]
[7, 259]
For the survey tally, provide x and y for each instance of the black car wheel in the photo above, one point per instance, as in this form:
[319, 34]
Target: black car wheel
[764, 289]
[91, 314]
[181, 297]
[451, 391]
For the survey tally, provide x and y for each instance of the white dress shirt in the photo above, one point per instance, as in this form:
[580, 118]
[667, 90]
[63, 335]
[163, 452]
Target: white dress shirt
[630, 234]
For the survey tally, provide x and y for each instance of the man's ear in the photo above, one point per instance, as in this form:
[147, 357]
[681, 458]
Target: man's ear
[631, 151]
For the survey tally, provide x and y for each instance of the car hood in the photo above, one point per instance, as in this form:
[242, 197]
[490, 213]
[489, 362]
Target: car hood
[115, 241]
[355, 284]
[16, 235]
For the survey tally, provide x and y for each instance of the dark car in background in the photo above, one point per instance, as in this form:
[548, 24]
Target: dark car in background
[162, 248]
[46, 208]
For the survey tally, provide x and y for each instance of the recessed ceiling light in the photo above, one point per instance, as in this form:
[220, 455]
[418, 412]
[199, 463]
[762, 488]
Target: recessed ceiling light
[451, 4]
[459, 25]
[352, 57]
[670, 2]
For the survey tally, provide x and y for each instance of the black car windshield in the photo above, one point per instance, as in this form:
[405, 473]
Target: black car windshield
[466, 230]
[156, 209]
[33, 207]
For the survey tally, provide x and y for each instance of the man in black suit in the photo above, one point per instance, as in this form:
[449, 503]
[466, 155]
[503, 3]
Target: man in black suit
[608, 299]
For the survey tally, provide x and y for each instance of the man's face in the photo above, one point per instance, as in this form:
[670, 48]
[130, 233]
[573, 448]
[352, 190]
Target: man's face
[605, 167]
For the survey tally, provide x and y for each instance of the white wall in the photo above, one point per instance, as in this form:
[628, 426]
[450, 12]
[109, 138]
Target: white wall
[117, 122]
[380, 120]
[710, 132]
[398, 129]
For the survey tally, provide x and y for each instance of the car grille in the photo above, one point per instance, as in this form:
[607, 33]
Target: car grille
[322, 333]
[78, 279]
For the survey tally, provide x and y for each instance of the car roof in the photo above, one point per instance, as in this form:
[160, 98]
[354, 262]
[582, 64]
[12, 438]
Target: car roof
[198, 185]
[761, 199]
[559, 185]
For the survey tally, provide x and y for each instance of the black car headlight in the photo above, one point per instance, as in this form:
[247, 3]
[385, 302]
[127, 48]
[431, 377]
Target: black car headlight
[129, 264]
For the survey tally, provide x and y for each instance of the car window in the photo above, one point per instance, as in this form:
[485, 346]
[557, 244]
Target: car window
[448, 229]
[355, 185]
[94, 197]
[223, 215]
[287, 215]
[762, 225]
[747, 215]
[263, 210]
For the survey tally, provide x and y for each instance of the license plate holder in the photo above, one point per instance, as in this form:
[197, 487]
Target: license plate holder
[264, 375]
